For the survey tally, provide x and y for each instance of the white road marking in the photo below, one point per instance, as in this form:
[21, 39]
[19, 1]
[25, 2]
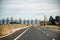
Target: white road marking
[53, 39]
[44, 32]
[39, 29]
[21, 34]
[47, 34]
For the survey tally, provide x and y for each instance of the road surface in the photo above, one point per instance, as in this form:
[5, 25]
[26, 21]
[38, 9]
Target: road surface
[34, 33]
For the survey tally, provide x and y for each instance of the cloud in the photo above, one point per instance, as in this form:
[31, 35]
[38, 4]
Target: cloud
[32, 8]
[29, 8]
[24, 5]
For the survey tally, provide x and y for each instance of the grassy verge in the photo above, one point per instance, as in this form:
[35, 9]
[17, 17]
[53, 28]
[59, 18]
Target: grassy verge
[52, 27]
[6, 29]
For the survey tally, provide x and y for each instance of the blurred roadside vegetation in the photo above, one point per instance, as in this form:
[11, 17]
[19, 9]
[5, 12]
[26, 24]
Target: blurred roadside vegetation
[54, 21]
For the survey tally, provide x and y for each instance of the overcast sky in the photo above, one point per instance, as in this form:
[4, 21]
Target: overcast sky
[29, 8]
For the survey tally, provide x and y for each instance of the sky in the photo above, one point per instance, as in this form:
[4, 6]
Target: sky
[29, 9]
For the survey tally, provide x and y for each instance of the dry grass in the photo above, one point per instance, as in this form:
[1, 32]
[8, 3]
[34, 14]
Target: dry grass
[7, 28]
[4, 29]
[52, 27]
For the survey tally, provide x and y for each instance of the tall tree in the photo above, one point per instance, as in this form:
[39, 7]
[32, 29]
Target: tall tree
[3, 21]
[12, 19]
[51, 20]
[0, 21]
[57, 18]
[20, 21]
[24, 22]
[28, 21]
[31, 21]
[7, 20]
[36, 21]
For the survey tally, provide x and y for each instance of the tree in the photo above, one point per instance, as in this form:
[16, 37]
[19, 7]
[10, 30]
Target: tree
[31, 21]
[28, 21]
[11, 19]
[57, 20]
[0, 21]
[3, 21]
[24, 21]
[20, 21]
[36, 21]
[7, 20]
[51, 20]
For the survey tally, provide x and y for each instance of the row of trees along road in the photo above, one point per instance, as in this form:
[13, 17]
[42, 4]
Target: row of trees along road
[20, 21]
[54, 21]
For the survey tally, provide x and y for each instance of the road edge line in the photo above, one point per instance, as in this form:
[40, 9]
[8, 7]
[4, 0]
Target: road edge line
[21, 34]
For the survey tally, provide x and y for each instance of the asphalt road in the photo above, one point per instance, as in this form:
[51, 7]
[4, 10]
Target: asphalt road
[34, 33]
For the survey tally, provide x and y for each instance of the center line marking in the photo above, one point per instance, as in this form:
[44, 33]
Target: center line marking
[21, 34]
[44, 32]
[47, 34]
[39, 29]
[53, 39]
